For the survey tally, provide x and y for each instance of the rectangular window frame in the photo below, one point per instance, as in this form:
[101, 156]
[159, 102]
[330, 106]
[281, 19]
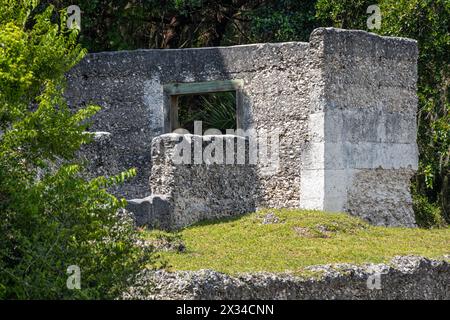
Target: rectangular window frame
[174, 90]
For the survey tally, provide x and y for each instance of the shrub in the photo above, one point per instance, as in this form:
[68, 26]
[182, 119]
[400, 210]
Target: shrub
[50, 216]
[428, 215]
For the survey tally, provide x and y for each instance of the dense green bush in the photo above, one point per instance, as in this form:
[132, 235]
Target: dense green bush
[281, 20]
[428, 215]
[130, 24]
[50, 217]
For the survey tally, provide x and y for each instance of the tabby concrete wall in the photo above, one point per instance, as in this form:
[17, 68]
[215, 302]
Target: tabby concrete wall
[343, 105]
[406, 277]
[220, 186]
[363, 152]
[128, 85]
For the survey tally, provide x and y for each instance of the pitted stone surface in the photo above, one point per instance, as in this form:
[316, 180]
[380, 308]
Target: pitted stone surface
[201, 191]
[153, 211]
[382, 197]
[408, 277]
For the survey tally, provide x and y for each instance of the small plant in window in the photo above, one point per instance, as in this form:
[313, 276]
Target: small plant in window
[215, 110]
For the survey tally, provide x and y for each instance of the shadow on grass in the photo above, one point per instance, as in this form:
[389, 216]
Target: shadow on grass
[211, 222]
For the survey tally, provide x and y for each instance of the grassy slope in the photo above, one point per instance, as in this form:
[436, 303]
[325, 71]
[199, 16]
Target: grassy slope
[303, 238]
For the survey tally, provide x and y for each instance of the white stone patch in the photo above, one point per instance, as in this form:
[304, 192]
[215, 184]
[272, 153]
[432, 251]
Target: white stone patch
[153, 98]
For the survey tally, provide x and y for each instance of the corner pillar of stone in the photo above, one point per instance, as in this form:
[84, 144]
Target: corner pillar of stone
[362, 149]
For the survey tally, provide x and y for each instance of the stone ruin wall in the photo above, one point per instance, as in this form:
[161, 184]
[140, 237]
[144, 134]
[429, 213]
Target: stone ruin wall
[403, 278]
[344, 105]
[363, 150]
[195, 192]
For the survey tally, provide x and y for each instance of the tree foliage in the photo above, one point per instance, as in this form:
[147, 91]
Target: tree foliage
[132, 24]
[50, 216]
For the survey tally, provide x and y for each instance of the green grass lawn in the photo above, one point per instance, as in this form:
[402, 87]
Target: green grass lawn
[300, 238]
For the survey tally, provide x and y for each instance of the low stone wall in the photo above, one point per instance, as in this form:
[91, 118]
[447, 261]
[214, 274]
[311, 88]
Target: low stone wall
[186, 190]
[407, 277]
